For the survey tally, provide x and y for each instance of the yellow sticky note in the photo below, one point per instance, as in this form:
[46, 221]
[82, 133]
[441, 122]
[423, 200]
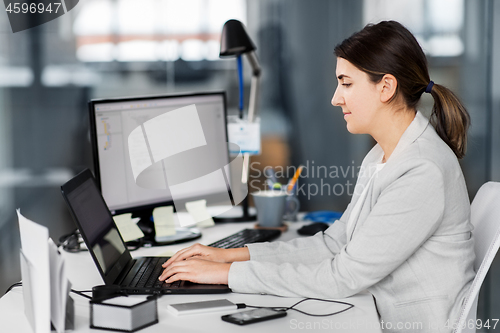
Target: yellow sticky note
[128, 229]
[198, 211]
[164, 221]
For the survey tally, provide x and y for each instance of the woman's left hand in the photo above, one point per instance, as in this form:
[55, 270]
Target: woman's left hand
[197, 271]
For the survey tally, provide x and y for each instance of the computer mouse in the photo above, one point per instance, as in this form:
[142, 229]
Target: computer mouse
[312, 229]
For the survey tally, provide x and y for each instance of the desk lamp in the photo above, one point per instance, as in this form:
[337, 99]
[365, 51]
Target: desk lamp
[235, 42]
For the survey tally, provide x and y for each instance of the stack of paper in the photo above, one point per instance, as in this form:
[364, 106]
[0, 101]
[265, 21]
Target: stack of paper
[45, 286]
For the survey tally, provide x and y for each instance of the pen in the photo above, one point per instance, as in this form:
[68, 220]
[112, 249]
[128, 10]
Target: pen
[291, 185]
[271, 175]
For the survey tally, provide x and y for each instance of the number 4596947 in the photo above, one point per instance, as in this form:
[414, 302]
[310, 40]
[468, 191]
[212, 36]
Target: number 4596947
[32, 8]
[478, 324]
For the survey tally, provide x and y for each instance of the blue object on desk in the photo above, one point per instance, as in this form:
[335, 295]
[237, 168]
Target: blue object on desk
[326, 216]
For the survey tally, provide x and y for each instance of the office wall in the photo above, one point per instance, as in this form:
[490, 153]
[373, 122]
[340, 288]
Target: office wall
[474, 91]
[495, 91]
[318, 139]
[5, 150]
[490, 293]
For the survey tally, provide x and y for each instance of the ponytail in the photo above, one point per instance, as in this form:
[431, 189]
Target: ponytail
[450, 118]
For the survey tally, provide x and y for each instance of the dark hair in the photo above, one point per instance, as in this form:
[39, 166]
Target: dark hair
[389, 48]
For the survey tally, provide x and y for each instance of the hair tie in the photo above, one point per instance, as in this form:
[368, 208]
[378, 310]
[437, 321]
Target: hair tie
[429, 87]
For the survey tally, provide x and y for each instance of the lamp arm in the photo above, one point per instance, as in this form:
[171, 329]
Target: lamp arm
[254, 88]
[254, 62]
[254, 96]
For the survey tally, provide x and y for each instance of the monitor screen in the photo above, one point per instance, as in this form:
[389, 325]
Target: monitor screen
[151, 151]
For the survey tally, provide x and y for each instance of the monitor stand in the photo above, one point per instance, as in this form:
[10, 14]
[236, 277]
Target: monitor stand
[147, 226]
[246, 214]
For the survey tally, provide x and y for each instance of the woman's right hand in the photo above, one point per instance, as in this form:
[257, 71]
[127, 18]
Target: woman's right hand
[200, 251]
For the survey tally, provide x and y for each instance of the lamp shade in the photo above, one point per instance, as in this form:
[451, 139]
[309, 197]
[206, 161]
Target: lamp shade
[235, 40]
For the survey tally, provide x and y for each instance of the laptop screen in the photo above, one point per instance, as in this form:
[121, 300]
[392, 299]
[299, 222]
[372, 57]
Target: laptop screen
[96, 224]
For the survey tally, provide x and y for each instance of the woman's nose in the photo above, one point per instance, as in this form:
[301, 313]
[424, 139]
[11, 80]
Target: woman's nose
[337, 100]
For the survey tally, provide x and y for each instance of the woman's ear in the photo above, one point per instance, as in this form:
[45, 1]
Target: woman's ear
[388, 86]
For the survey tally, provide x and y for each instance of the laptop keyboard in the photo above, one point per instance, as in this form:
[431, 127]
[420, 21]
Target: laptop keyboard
[150, 270]
[147, 275]
[246, 236]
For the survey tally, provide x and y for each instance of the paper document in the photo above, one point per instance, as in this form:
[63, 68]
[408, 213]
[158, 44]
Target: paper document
[45, 286]
[198, 210]
[35, 247]
[59, 288]
[246, 136]
[127, 227]
[164, 221]
[26, 268]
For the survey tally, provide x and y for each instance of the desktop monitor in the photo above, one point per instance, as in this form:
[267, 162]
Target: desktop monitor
[158, 171]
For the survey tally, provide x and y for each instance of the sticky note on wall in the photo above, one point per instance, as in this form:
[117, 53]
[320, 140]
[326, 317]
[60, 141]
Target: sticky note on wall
[164, 221]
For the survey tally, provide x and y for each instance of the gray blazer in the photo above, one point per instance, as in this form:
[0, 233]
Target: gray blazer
[411, 246]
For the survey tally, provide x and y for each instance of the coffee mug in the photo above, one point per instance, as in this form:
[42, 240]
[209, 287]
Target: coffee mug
[270, 207]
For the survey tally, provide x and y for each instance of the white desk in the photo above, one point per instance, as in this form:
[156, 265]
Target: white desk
[83, 275]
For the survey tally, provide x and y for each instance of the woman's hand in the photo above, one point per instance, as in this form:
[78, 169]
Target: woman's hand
[197, 271]
[210, 254]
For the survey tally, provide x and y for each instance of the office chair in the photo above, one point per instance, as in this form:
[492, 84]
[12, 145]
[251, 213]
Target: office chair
[485, 217]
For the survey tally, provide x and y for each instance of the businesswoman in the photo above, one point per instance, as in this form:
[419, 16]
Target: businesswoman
[406, 235]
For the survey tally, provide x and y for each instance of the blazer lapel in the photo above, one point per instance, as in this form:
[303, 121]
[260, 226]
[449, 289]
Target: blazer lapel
[414, 130]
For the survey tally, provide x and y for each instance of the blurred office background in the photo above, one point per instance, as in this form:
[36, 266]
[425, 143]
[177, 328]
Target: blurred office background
[112, 48]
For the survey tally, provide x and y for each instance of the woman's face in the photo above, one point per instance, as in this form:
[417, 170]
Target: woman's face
[358, 97]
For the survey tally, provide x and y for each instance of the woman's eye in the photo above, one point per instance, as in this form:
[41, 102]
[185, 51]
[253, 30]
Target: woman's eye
[346, 84]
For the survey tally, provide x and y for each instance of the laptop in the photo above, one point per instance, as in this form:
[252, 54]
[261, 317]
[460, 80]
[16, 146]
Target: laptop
[108, 250]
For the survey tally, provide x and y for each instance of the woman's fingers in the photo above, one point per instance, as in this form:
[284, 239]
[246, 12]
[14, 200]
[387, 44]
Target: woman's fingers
[181, 255]
[177, 277]
[197, 270]
[173, 268]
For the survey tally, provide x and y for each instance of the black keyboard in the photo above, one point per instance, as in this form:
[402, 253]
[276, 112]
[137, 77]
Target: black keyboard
[246, 236]
[147, 276]
[151, 268]
[143, 276]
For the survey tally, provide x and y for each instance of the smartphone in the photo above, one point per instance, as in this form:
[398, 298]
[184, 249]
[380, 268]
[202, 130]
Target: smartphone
[253, 316]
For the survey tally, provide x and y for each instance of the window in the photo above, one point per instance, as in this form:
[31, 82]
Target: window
[153, 30]
[435, 23]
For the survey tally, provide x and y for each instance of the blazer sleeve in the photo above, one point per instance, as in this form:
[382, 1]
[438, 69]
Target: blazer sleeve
[405, 215]
[305, 249]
